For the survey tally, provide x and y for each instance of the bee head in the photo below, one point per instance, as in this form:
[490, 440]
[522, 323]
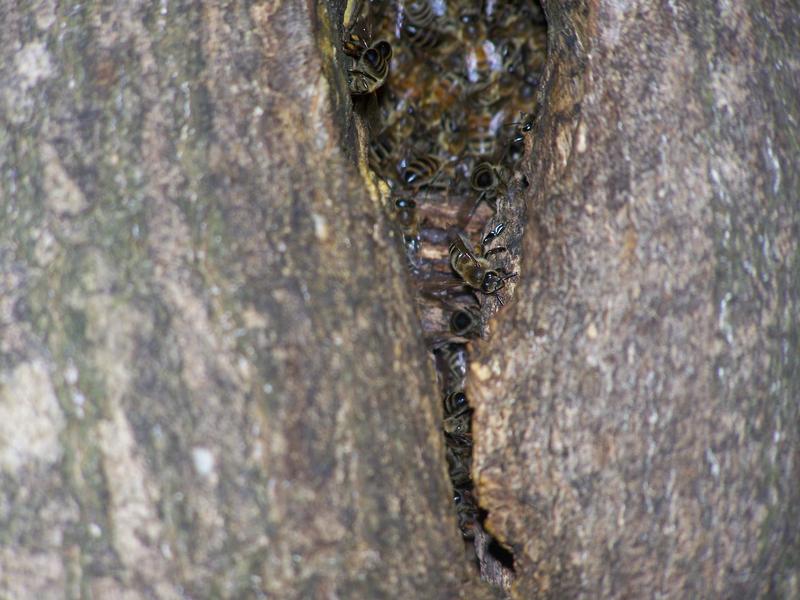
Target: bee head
[492, 281]
[458, 425]
[405, 203]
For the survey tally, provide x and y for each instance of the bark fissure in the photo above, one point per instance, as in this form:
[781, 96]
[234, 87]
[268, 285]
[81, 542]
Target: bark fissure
[213, 379]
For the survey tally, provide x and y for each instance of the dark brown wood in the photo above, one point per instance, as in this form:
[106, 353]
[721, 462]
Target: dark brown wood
[636, 425]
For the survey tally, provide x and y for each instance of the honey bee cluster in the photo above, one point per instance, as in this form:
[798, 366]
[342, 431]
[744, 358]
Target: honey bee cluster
[448, 87]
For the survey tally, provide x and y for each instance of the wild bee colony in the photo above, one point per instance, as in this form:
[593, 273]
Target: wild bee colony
[448, 90]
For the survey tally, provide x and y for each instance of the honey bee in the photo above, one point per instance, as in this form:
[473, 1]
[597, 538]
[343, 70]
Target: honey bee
[458, 425]
[457, 416]
[423, 172]
[485, 179]
[481, 62]
[482, 126]
[472, 265]
[530, 83]
[472, 26]
[466, 511]
[447, 88]
[458, 437]
[455, 365]
[516, 145]
[534, 50]
[421, 25]
[455, 403]
[353, 44]
[451, 138]
[459, 463]
[405, 214]
[371, 69]
[512, 66]
[381, 152]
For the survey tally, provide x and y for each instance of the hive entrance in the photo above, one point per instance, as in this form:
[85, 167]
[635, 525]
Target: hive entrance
[448, 109]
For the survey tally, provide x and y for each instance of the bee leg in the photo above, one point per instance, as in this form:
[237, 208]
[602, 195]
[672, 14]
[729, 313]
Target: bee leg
[508, 276]
[465, 219]
[495, 232]
[502, 285]
[494, 251]
[351, 48]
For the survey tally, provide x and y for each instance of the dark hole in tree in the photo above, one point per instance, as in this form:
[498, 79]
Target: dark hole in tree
[448, 127]
[501, 555]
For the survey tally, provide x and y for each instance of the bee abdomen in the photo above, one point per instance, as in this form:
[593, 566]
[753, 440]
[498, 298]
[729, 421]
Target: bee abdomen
[421, 25]
[421, 171]
[455, 404]
[371, 69]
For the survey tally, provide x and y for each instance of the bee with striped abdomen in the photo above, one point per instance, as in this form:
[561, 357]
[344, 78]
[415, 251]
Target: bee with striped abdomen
[455, 403]
[381, 153]
[482, 127]
[424, 172]
[455, 359]
[421, 25]
[371, 69]
[485, 179]
[472, 265]
[451, 138]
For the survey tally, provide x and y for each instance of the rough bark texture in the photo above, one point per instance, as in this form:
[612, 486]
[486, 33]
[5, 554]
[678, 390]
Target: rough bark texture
[213, 382]
[636, 421]
[212, 379]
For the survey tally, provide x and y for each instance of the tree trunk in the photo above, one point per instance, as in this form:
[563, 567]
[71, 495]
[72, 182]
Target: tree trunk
[213, 382]
[636, 424]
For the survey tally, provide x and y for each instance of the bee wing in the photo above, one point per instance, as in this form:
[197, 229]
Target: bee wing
[462, 244]
[465, 213]
[440, 285]
[355, 17]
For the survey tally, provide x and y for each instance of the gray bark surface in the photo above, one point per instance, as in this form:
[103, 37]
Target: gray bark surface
[212, 381]
[212, 378]
[636, 426]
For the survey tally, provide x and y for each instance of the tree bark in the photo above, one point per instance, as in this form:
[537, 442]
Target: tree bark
[213, 382]
[636, 425]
